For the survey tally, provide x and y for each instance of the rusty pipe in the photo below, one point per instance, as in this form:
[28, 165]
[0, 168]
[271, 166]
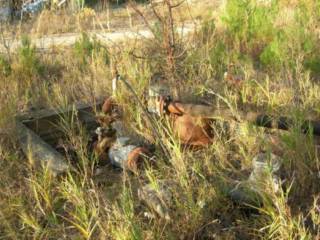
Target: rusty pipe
[259, 119]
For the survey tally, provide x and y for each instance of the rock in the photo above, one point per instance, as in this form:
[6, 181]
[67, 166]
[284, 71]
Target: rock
[158, 197]
[250, 192]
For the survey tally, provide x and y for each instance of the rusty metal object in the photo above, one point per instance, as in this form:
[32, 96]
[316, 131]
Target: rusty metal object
[193, 131]
[108, 105]
[283, 123]
[106, 137]
[136, 156]
[126, 156]
[189, 121]
[114, 146]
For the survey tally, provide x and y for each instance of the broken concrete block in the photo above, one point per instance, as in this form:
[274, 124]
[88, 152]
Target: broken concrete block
[39, 152]
[5, 10]
[38, 131]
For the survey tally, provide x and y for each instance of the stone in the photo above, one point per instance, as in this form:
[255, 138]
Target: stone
[158, 197]
[251, 191]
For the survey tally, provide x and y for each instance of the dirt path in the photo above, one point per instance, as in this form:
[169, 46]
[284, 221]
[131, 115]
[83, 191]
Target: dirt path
[68, 39]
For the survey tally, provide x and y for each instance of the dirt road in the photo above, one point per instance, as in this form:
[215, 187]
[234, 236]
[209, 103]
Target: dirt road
[68, 39]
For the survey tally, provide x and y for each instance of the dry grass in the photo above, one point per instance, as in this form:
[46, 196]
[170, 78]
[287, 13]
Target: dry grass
[279, 79]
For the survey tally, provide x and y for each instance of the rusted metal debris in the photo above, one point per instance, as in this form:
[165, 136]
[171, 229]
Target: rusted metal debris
[118, 150]
[190, 122]
[112, 145]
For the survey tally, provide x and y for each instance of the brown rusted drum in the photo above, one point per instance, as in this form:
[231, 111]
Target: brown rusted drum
[191, 128]
[193, 131]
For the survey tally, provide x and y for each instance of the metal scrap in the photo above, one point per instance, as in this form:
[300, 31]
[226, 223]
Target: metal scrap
[33, 6]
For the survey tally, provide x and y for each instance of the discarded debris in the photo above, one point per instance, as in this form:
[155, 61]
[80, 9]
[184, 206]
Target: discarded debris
[106, 137]
[38, 132]
[158, 197]
[188, 122]
[154, 95]
[118, 149]
[263, 178]
[39, 152]
[33, 6]
[5, 10]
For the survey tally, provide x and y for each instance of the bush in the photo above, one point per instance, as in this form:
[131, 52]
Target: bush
[5, 67]
[273, 54]
[250, 24]
[28, 60]
[87, 50]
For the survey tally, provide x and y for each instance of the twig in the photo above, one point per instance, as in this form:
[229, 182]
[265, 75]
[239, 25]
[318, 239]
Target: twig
[134, 7]
[151, 120]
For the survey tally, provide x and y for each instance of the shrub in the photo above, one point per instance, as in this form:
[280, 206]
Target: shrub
[5, 67]
[272, 55]
[28, 60]
[87, 50]
[249, 23]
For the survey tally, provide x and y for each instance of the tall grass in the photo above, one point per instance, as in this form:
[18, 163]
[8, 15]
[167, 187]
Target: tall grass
[279, 60]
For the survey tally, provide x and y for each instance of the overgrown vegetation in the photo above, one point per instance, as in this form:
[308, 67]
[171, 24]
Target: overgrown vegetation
[273, 45]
